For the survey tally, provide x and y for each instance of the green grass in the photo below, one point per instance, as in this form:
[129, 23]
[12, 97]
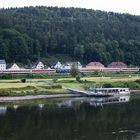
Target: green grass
[51, 86]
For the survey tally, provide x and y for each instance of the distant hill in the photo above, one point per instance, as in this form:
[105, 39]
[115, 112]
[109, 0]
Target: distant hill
[31, 33]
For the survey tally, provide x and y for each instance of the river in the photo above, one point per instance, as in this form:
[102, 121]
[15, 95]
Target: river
[71, 119]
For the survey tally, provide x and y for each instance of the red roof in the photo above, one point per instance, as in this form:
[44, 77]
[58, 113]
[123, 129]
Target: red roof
[95, 64]
[117, 65]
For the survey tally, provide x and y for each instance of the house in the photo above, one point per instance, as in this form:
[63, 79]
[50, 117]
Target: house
[38, 65]
[94, 65]
[2, 65]
[68, 65]
[117, 65]
[57, 65]
[13, 66]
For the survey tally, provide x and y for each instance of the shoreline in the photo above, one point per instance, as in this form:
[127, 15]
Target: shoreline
[135, 91]
[35, 97]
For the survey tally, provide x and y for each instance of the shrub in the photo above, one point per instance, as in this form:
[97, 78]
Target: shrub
[74, 71]
[54, 80]
[52, 87]
[138, 81]
[132, 85]
[7, 76]
[107, 85]
[30, 75]
[78, 78]
[23, 80]
[5, 92]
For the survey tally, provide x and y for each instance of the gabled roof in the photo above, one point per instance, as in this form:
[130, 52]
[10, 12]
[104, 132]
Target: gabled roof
[9, 66]
[36, 63]
[2, 61]
[54, 63]
[117, 64]
[95, 64]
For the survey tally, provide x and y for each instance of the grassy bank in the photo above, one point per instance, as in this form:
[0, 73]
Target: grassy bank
[68, 75]
[15, 87]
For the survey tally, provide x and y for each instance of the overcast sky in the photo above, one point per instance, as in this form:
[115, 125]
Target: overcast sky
[121, 6]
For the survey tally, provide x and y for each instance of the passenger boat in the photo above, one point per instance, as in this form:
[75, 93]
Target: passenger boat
[102, 92]
[108, 91]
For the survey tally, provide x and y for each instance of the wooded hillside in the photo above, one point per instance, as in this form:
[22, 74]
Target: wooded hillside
[27, 34]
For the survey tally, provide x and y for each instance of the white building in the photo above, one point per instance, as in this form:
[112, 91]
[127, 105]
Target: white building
[13, 67]
[57, 65]
[38, 65]
[68, 65]
[2, 65]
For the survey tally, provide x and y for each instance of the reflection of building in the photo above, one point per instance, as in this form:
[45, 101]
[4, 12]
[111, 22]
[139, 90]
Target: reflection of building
[3, 110]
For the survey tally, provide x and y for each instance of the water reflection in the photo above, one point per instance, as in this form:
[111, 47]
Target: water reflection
[96, 102]
[3, 110]
[73, 119]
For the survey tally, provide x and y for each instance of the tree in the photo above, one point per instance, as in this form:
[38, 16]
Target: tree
[74, 70]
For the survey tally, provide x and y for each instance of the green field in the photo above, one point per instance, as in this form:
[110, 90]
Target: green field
[15, 87]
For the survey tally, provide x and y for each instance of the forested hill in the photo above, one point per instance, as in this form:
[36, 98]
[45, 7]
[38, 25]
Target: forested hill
[86, 35]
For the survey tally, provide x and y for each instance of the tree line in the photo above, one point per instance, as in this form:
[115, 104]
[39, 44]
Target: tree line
[31, 33]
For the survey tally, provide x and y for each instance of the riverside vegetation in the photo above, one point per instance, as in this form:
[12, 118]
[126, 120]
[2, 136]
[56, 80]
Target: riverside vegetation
[11, 85]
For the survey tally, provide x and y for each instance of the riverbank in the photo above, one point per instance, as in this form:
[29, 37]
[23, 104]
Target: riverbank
[37, 97]
[59, 86]
[34, 97]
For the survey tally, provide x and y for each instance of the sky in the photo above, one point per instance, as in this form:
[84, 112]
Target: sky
[120, 6]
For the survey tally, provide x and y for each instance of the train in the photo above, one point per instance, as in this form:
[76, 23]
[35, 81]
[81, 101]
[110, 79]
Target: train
[85, 70]
[82, 70]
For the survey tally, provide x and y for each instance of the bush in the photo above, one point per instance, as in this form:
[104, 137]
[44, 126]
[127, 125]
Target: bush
[132, 85]
[52, 87]
[54, 80]
[138, 81]
[6, 76]
[23, 80]
[5, 92]
[78, 78]
[107, 85]
[30, 75]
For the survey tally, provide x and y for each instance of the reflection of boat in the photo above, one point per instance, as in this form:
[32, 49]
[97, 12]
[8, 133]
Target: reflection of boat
[109, 100]
[15, 107]
[41, 106]
[95, 101]
[102, 92]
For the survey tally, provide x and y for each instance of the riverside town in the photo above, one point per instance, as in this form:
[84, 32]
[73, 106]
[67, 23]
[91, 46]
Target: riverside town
[58, 67]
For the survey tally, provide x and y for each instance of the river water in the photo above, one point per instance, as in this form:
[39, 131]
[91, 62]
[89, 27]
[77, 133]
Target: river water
[71, 119]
